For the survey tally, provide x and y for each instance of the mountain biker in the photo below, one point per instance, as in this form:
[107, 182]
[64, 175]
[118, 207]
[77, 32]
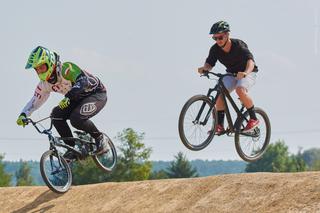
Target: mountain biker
[84, 96]
[236, 57]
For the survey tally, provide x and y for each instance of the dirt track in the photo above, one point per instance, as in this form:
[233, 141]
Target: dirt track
[259, 192]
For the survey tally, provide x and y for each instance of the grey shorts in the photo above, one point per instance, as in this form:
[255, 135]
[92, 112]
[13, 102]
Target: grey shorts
[231, 83]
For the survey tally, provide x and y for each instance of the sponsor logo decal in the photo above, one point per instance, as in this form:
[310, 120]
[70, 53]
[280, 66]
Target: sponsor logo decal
[88, 108]
[36, 94]
[55, 88]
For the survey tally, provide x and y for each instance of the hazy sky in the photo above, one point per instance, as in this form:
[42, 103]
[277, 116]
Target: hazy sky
[147, 52]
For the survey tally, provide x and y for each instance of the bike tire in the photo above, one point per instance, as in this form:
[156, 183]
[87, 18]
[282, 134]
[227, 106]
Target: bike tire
[67, 171]
[264, 121]
[189, 143]
[106, 161]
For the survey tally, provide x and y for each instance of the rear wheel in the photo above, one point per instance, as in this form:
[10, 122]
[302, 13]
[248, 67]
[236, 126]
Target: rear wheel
[197, 122]
[252, 145]
[55, 172]
[107, 161]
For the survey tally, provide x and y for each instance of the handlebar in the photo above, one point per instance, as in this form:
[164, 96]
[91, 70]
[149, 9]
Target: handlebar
[34, 123]
[219, 75]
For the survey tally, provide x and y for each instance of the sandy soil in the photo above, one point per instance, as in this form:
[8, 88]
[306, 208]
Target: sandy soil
[255, 192]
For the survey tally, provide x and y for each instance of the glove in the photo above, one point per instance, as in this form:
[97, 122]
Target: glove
[20, 119]
[64, 103]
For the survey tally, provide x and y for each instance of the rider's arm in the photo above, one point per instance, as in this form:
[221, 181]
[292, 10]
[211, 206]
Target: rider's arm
[248, 57]
[210, 61]
[41, 94]
[249, 67]
[207, 67]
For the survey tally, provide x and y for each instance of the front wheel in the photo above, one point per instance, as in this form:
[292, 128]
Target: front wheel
[197, 122]
[106, 161]
[55, 172]
[252, 145]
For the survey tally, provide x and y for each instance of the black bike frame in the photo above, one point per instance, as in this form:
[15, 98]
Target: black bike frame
[222, 90]
[56, 141]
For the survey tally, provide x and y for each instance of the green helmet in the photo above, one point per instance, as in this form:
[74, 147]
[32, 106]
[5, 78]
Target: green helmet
[41, 55]
[219, 27]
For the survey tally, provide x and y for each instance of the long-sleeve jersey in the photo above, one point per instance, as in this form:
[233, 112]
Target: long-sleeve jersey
[72, 82]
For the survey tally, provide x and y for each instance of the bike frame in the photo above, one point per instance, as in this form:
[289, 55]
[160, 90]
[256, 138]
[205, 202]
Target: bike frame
[222, 90]
[58, 141]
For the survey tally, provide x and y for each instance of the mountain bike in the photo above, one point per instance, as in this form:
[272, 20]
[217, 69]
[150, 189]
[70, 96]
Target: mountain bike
[198, 120]
[54, 168]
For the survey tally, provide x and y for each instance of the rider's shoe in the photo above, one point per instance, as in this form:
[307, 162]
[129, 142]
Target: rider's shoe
[102, 146]
[219, 130]
[252, 123]
[69, 156]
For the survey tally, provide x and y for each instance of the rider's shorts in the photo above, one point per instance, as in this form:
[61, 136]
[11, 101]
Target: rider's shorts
[231, 83]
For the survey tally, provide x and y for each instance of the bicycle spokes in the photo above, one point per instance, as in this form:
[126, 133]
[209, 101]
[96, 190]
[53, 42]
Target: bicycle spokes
[196, 122]
[251, 145]
[198, 127]
[55, 172]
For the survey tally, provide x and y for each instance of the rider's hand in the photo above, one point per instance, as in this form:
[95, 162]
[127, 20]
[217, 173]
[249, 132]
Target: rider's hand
[20, 120]
[241, 75]
[201, 70]
[64, 103]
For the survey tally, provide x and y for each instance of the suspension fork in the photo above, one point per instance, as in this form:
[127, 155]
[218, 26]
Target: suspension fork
[204, 122]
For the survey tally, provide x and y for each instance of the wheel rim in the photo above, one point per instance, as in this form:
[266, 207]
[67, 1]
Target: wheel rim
[56, 173]
[195, 131]
[108, 159]
[253, 143]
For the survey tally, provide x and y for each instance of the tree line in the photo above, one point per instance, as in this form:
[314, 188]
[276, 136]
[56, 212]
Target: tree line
[134, 164]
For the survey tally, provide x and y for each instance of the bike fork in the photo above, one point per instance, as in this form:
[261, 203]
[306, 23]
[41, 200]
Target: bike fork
[202, 108]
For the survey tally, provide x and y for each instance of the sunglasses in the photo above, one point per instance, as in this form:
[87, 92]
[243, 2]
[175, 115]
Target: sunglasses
[217, 38]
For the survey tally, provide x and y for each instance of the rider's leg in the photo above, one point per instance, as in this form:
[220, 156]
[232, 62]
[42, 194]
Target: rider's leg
[59, 120]
[242, 88]
[247, 101]
[220, 111]
[230, 83]
[88, 107]
[244, 97]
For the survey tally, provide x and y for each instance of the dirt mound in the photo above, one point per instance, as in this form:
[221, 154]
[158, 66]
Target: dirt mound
[255, 192]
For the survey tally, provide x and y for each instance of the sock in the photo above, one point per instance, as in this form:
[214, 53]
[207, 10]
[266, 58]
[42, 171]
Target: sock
[221, 117]
[252, 113]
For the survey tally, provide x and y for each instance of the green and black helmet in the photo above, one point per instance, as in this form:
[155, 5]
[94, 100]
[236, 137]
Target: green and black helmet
[219, 27]
[41, 55]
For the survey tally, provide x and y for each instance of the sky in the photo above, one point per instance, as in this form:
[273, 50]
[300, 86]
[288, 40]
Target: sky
[147, 53]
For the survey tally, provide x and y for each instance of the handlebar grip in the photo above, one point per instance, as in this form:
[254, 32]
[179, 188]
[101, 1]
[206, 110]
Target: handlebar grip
[25, 120]
[205, 73]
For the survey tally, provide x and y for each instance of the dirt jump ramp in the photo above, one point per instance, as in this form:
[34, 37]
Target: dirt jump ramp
[254, 192]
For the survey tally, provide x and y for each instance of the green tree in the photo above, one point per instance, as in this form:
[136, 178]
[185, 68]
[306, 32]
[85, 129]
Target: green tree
[23, 175]
[5, 178]
[161, 174]
[86, 172]
[133, 163]
[277, 159]
[311, 156]
[297, 163]
[181, 168]
[315, 165]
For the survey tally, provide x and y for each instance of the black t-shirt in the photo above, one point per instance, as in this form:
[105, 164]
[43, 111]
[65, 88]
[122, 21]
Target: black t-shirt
[235, 60]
